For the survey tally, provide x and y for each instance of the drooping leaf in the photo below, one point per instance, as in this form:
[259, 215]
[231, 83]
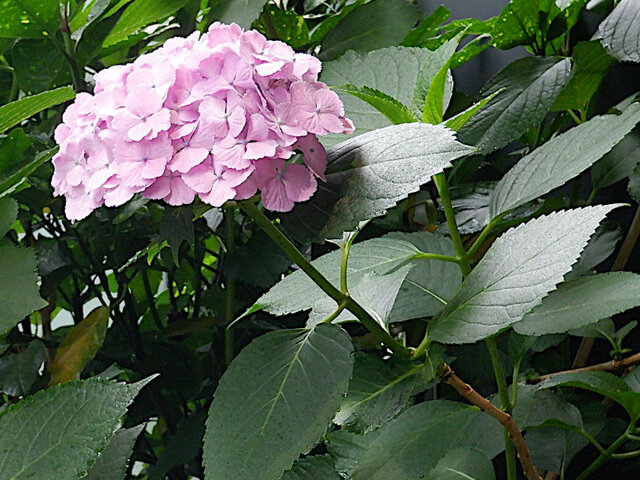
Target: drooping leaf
[424, 292]
[392, 71]
[275, 401]
[521, 267]
[242, 12]
[176, 227]
[581, 302]
[463, 464]
[15, 112]
[141, 13]
[112, 462]
[315, 467]
[377, 24]
[20, 296]
[561, 159]
[591, 64]
[8, 214]
[436, 427]
[80, 417]
[29, 18]
[370, 173]
[18, 371]
[79, 346]
[531, 85]
[620, 31]
[391, 108]
[619, 163]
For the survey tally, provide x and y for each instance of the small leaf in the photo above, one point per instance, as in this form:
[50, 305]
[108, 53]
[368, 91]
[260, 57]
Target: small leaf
[19, 371]
[461, 119]
[370, 173]
[463, 464]
[314, 467]
[582, 302]
[275, 401]
[176, 226]
[13, 113]
[79, 346]
[8, 214]
[561, 159]
[619, 163]
[620, 31]
[80, 418]
[521, 267]
[113, 461]
[391, 108]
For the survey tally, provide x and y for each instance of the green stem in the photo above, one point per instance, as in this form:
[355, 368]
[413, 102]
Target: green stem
[335, 314]
[297, 257]
[230, 287]
[626, 455]
[514, 383]
[484, 234]
[436, 256]
[575, 117]
[151, 299]
[606, 455]
[421, 349]
[505, 403]
[440, 180]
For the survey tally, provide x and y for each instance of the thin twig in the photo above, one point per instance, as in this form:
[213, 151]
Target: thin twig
[464, 389]
[610, 366]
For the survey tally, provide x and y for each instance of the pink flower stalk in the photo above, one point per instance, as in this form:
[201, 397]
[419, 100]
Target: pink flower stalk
[218, 116]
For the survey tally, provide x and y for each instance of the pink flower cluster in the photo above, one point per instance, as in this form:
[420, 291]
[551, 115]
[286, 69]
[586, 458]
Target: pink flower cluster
[216, 116]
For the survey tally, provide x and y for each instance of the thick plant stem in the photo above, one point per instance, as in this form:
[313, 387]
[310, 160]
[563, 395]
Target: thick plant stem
[606, 455]
[440, 181]
[230, 289]
[505, 402]
[450, 378]
[350, 304]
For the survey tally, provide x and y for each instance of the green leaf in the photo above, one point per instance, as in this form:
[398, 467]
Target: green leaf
[38, 66]
[517, 24]
[604, 383]
[315, 467]
[15, 112]
[461, 119]
[428, 28]
[8, 214]
[12, 175]
[560, 159]
[140, 14]
[591, 64]
[369, 174]
[86, 16]
[176, 226]
[80, 418]
[29, 18]
[79, 346]
[436, 427]
[19, 371]
[536, 406]
[242, 12]
[112, 462]
[20, 296]
[275, 401]
[600, 247]
[521, 267]
[620, 31]
[463, 464]
[582, 302]
[424, 292]
[290, 27]
[377, 24]
[530, 86]
[633, 380]
[619, 163]
[379, 390]
[391, 108]
[392, 71]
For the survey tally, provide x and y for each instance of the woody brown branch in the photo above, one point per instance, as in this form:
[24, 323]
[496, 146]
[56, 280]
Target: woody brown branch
[610, 366]
[447, 375]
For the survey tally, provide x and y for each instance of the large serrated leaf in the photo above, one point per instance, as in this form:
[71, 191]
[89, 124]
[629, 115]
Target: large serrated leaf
[370, 173]
[424, 292]
[531, 85]
[59, 432]
[519, 270]
[620, 31]
[560, 159]
[582, 302]
[13, 113]
[275, 401]
[437, 427]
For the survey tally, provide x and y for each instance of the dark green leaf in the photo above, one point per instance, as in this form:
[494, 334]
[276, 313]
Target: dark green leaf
[620, 31]
[560, 159]
[316, 467]
[176, 226]
[242, 12]
[29, 18]
[370, 173]
[619, 163]
[600, 247]
[428, 28]
[391, 108]
[377, 24]
[18, 371]
[531, 85]
[20, 296]
[463, 464]
[461, 119]
[80, 417]
[275, 401]
[517, 24]
[112, 462]
[288, 25]
[521, 267]
[582, 302]
[38, 66]
[537, 406]
[12, 175]
[15, 112]
[8, 214]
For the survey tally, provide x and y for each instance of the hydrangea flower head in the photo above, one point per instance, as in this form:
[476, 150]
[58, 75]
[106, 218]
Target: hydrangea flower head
[219, 116]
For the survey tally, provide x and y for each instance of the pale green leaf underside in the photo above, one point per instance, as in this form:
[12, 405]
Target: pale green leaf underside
[521, 267]
[275, 401]
[582, 302]
[59, 432]
[560, 159]
[620, 31]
